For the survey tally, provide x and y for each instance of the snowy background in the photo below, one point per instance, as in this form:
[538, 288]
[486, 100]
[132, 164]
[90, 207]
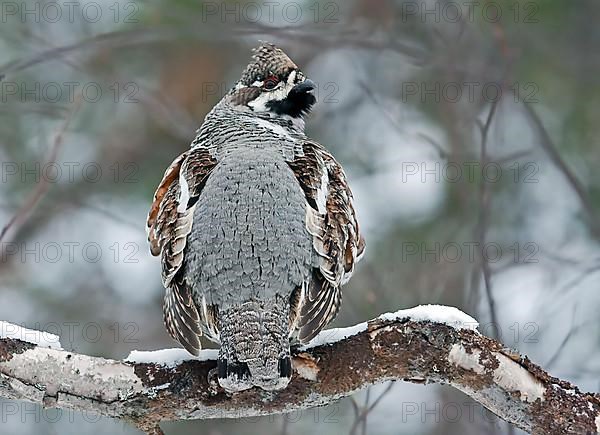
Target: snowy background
[405, 90]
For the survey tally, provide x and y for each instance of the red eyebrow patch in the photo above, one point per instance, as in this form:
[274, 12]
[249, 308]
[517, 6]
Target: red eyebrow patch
[270, 82]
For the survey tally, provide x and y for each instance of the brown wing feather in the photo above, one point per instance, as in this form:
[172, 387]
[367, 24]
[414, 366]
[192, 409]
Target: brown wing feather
[331, 220]
[342, 236]
[171, 174]
[320, 309]
[169, 224]
[181, 317]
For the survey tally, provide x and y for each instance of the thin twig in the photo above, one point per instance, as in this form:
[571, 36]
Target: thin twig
[355, 406]
[555, 157]
[364, 423]
[42, 187]
[571, 285]
[363, 414]
[165, 112]
[392, 120]
[119, 38]
[107, 213]
[512, 157]
[284, 427]
[565, 340]
[484, 215]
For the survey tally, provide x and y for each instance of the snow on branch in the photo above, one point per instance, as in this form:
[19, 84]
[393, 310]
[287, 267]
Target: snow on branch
[429, 344]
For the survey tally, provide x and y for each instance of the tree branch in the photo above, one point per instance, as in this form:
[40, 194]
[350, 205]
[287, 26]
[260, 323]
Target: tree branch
[421, 345]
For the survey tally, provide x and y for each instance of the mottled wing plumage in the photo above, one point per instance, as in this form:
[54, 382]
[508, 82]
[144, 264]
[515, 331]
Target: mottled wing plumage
[154, 224]
[342, 239]
[182, 318]
[169, 223]
[331, 220]
[320, 306]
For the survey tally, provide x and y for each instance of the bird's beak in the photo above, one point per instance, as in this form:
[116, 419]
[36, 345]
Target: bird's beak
[303, 88]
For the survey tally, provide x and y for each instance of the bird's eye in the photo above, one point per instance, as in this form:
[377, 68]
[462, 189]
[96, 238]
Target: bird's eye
[270, 83]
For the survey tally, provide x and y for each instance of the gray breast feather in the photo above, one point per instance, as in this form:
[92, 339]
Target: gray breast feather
[249, 240]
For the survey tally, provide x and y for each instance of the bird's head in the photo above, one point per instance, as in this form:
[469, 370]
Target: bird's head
[273, 85]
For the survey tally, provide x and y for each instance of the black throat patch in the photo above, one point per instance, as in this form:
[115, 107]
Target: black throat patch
[294, 105]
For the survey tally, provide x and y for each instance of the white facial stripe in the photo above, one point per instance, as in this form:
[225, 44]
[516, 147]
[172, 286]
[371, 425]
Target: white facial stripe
[292, 77]
[259, 104]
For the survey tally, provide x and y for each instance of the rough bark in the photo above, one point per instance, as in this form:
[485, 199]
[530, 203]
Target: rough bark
[383, 349]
